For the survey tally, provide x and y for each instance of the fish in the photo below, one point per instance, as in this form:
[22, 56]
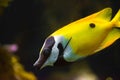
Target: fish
[81, 38]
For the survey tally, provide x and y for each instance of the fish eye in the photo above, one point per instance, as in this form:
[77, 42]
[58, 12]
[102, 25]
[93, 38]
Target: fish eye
[92, 25]
[46, 52]
[49, 43]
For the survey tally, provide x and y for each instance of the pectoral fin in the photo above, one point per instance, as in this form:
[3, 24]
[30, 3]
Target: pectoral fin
[110, 39]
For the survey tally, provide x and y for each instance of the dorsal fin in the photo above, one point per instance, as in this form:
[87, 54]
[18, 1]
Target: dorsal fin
[104, 14]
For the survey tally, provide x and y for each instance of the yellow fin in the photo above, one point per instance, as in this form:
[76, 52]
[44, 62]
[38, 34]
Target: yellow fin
[116, 19]
[111, 38]
[113, 35]
[104, 14]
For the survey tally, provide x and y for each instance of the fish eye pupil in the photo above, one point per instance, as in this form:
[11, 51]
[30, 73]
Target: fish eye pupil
[46, 52]
[92, 25]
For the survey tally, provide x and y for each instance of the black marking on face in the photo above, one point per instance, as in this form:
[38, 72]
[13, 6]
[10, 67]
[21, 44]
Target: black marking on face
[92, 25]
[61, 49]
[49, 43]
[60, 60]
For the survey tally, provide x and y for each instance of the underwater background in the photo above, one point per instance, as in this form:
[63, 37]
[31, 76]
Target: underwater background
[24, 25]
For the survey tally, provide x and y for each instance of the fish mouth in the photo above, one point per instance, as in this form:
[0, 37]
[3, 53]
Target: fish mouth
[40, 62]
[45, 53]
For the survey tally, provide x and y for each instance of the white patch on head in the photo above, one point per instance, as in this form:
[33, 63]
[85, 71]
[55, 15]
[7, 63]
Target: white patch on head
[54, 53]
[68, 54]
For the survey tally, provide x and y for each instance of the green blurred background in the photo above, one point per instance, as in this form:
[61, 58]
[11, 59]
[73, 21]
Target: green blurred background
[28, 22]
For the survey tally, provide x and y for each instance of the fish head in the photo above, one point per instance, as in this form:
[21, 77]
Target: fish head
[45, 54]
[51, 51]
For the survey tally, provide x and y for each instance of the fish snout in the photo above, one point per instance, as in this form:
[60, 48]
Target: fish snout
[42, 59]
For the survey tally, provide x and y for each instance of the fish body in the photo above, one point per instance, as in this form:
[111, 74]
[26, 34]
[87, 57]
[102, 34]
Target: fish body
[81, 38]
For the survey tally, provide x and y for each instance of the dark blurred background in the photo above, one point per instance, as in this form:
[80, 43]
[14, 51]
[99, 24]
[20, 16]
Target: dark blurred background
[28, 22]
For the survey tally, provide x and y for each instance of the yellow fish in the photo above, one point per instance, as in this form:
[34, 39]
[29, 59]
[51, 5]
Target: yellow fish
[80, 39]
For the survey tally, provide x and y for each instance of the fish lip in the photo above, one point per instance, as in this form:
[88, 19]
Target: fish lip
[40, 62]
